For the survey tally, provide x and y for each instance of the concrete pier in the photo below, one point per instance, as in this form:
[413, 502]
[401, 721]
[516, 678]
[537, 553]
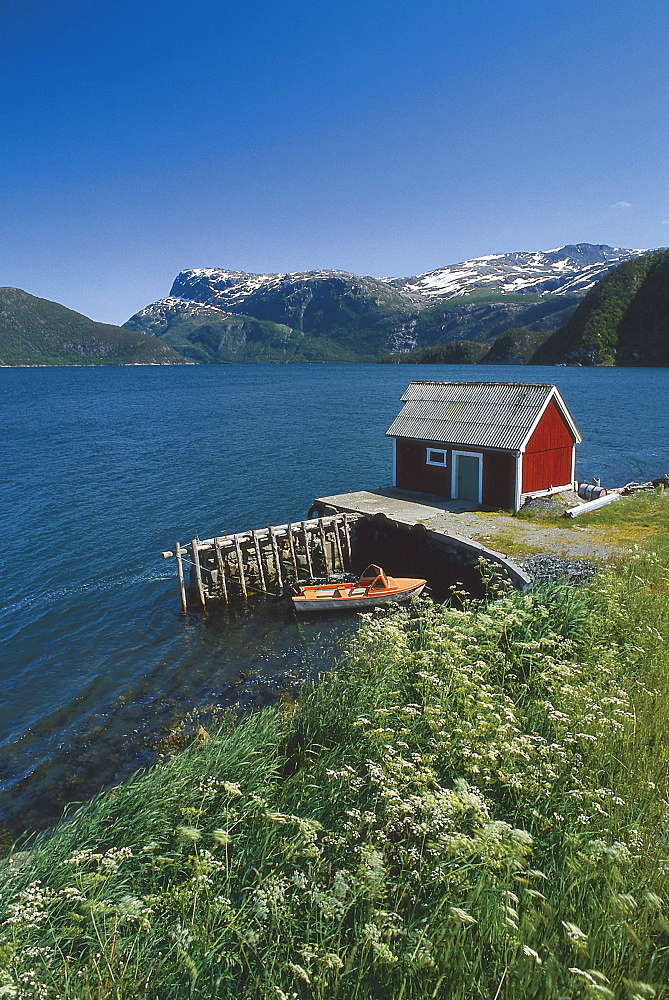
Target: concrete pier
[401, 505]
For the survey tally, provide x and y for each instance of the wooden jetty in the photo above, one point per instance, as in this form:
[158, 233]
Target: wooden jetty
[409, 533]
[229, 567]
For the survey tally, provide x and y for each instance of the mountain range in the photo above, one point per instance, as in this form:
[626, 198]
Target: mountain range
[214, 315]
[578, 304]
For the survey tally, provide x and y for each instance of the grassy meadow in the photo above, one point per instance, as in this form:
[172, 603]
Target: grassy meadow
[473, 804]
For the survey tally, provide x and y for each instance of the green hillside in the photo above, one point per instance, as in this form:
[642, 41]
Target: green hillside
[515, 347]
[35, 331]
[457, 352]
[485, 315]
[623, 320]
[213, 336]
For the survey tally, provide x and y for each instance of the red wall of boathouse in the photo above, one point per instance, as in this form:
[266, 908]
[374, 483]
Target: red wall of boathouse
[548, 457]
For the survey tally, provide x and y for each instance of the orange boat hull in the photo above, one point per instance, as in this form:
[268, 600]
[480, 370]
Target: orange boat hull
[347, 596]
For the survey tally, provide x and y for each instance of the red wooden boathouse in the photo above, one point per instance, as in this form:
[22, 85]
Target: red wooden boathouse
[491, 443]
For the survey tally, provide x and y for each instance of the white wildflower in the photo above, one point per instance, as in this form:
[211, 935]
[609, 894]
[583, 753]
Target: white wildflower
[232, 788]
[574, 933]
[531, 953]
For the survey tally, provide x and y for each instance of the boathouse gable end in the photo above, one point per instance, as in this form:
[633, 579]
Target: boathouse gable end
[489, 443]
[549, 454]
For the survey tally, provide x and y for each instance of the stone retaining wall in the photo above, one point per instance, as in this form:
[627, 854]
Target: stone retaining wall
[445, 560]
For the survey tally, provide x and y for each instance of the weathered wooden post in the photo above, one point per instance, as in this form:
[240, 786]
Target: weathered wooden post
[340, 557]
[307, 550]
[240, 566]
[180, 570]
[321, 531]
[293, 557]
[198, 573]
[261, 569]
[221, 569]
[275, 554]
[347, 535]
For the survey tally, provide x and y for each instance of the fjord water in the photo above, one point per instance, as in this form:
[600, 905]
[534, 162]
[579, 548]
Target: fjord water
[105, 467]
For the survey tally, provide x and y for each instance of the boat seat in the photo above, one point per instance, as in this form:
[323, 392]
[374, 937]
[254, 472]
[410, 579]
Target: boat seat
[373, 578]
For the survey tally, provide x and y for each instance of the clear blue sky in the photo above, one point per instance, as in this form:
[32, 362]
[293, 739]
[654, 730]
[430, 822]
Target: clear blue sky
[378, 136]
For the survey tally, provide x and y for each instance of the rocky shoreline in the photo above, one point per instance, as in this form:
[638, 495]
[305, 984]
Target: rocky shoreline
[548, 568]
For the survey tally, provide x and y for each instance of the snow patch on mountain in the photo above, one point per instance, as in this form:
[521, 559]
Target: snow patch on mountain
[231, 289]
[158, 317]
[571, 268]
[175, 306]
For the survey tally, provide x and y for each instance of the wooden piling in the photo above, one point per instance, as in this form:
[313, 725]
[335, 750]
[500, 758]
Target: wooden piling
[321, 531]
[198, 573]
[221, 569]
[261, 569]
[277, 561]
[293, 557]
[310, 564]
[212, 558]
[347, 535]
[240, 566]
[340, 556]
[180, 571]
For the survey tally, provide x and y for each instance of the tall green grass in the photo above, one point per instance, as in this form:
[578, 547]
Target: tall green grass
[473, 805]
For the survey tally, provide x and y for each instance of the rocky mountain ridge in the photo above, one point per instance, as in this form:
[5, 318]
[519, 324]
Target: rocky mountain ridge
[571, 268]
[332, 315]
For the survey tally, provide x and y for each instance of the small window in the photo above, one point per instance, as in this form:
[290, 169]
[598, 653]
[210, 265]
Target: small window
[435, 456]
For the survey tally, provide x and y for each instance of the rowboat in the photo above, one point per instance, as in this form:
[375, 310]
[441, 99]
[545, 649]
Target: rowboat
[371, 589]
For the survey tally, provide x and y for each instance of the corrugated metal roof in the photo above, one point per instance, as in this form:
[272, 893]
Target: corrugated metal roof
[487, 414]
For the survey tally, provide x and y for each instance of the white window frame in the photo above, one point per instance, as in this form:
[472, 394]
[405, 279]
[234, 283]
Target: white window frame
[454, 473]
[437, 451]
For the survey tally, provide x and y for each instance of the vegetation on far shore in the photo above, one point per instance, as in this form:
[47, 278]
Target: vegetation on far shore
[473, 805]
[623, 320]
[35, 331]
[456, 352]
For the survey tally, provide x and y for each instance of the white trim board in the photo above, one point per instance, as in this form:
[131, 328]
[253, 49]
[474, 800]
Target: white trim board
[548, 492]
[437, 451]
[517, 496]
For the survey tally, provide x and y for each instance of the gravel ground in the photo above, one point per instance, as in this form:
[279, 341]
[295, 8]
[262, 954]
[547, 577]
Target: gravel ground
[524, 539]
[547, 568]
